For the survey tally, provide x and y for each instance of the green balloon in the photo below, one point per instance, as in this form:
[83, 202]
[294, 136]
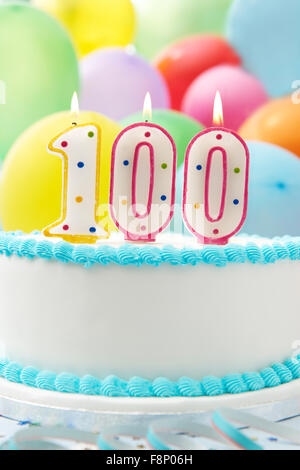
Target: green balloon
[182, 128]
[161, 22]
[38, 69]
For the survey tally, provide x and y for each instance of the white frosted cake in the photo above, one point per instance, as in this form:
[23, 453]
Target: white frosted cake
[168, 319]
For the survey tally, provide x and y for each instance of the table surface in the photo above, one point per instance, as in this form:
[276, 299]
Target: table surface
[9, 427]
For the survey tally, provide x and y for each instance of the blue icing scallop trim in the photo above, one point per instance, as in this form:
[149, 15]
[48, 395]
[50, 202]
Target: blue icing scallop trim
[89, 385]
[15, 243]
[112, 386]
[46, 381]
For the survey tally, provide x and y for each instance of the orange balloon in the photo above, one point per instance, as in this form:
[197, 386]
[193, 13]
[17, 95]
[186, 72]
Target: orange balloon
[277, 122]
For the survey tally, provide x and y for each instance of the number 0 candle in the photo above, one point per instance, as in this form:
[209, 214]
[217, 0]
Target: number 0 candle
[143, 172]
[79, 147]
[215, 195]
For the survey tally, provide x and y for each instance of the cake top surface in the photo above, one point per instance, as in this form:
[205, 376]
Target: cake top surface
[169, 249]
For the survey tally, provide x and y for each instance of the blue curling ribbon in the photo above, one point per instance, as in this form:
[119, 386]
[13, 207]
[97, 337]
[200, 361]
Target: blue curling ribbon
[174, 434]
[103, 444]
[223, 418]
[155, 442]
[232, 433]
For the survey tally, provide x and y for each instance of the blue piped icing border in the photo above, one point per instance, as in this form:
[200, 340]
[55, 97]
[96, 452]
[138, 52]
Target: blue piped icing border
[273, 376]
[31, 246]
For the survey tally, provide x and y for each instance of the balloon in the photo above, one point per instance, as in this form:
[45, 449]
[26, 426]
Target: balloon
[241, 94]
[182, 62]
[266, 35]
[177, 224]
[277, 122]
[36, 79]
[31, 180]
[115, 82]
[274, 192]
[161, 22]
[179, 126]
[93, 24]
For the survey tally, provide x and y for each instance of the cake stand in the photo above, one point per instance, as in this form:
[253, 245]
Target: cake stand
[89, 413]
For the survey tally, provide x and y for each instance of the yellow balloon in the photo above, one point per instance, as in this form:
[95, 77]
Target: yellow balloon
[31, 179]
[94, 23]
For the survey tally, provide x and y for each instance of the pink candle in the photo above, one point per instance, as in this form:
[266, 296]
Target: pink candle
[143, 173]
[215, 195]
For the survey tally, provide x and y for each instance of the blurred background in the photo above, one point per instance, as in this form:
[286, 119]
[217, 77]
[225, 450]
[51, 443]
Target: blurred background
[111, 52]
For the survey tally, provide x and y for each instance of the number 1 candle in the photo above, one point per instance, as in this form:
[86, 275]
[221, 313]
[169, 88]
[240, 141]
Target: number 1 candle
[215, 195]
[143, 172]
[79, 147]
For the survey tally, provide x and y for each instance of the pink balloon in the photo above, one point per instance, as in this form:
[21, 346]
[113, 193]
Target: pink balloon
[115, 82]
[241, 95]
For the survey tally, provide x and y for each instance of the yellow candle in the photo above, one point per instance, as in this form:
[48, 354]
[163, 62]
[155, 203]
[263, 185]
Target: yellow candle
[31, 180]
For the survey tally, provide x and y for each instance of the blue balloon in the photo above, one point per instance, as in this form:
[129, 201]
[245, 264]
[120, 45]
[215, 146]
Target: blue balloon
[274, 192]
[266, 35]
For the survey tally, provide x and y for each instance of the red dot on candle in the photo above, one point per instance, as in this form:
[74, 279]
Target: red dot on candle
[216, 231]
[64, 144]
[143, 228]
[148, 134]
[66, 227]
[219, 136]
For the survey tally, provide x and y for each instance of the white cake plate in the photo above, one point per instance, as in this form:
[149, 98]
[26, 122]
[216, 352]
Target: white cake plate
[89, 413]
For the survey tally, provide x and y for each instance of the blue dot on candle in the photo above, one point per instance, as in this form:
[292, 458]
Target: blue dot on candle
[126, 163]
[199, 167]
[93, 230]
[163, 197]
[80, 164]
[281, 185]
[236, 202]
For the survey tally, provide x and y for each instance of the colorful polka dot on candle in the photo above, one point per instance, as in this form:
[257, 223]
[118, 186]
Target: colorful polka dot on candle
[164, 166]
[163, 197]
[281, 185]
[143, 228]
[64, 144]
[80, 164]
[124, 202]
[91, 134]
[237, 170]
[66, 227]
[199, 167]
[197, 206]
[148, 134]
[219, 136]
[126, 163]
[79, 199]
[216, 232]
[236, 202]
[93, 229]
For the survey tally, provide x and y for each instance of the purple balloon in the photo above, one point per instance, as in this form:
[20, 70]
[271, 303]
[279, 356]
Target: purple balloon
[115, 82]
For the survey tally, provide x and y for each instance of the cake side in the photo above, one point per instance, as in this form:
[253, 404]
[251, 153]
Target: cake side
[185, 317]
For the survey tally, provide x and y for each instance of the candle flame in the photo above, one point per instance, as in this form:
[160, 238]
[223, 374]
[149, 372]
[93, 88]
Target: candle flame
[147, 113]
[75, 104]
[218, 119]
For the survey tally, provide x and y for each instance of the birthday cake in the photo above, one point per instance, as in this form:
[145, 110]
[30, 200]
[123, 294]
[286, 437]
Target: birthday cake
[126, 280]
[169, 319]
[141, 313]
